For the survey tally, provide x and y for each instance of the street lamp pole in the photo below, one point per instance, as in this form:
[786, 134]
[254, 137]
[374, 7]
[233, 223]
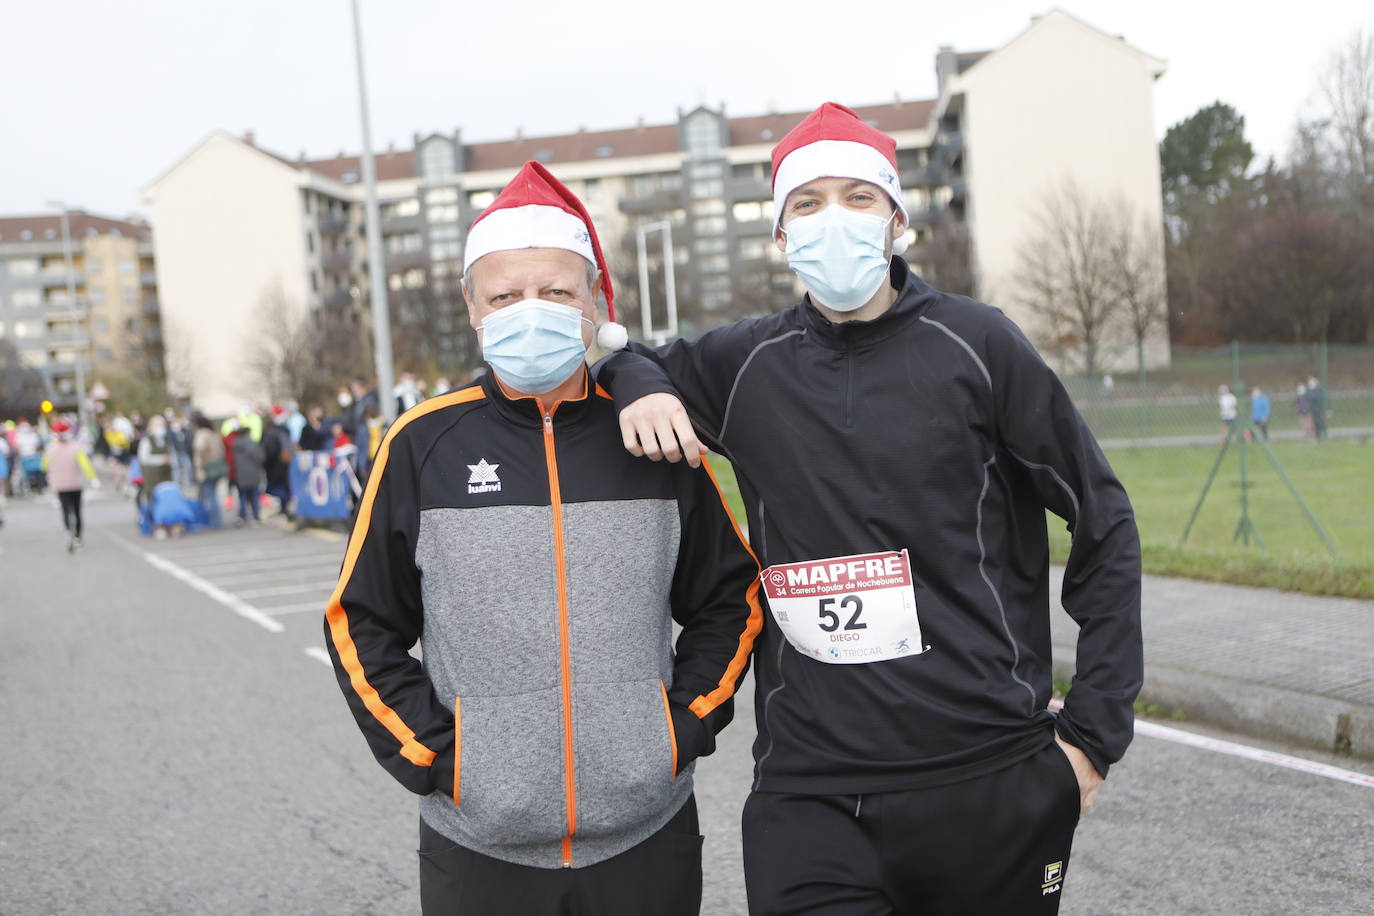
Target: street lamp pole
[376, 271]
[76, 324]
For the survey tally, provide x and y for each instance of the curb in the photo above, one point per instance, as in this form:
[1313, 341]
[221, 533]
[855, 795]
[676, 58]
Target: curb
[1254, 709]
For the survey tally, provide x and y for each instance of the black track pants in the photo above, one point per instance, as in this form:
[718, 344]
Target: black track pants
[659, 877]
[997, 845]
[71, 511]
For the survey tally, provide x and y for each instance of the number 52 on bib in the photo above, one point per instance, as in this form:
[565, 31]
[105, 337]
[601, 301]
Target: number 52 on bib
[850, 610]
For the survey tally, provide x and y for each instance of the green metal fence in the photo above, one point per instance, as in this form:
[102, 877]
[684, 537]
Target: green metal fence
[1179, 404]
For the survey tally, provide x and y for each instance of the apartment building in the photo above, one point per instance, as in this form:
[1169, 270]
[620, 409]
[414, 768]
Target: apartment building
[112, 326]
[238, 224]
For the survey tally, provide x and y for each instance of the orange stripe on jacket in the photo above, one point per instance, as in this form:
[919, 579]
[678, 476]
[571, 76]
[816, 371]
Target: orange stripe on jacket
[337, 617]
[703, 706]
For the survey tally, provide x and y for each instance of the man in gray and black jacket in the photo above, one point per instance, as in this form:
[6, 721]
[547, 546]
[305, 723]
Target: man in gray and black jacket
[551, 728]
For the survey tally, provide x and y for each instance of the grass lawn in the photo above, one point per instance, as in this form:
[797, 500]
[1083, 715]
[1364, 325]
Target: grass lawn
[1335, 478]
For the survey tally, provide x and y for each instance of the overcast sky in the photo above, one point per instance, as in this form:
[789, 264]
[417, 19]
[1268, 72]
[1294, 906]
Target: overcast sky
[101, 97]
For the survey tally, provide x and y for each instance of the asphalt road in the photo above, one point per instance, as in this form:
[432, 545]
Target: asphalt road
[170, 742]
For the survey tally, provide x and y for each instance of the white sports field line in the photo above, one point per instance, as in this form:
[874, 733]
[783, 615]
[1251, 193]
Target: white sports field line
[1246, 752]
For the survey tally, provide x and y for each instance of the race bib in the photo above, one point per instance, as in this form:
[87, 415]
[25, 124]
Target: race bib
[847, 610]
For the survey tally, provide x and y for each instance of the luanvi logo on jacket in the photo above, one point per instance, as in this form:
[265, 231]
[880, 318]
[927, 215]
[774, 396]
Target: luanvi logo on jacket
[483, 479]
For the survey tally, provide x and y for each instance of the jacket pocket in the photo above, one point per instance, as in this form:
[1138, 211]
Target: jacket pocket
[672, 732]
[458, 751]
[624, 756]
[509, 758]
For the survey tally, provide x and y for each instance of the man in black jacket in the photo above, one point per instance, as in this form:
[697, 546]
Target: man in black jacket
[551, 729]
[897, 448]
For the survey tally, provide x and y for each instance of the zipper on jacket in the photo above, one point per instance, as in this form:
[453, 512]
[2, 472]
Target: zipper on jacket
[560, 571]
[849, 389]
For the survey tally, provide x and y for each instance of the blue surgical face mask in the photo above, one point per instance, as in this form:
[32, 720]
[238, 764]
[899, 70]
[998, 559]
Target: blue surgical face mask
[840, 255]
[534, 346]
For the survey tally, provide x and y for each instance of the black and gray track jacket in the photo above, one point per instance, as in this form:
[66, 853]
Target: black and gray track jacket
[540, 567]
[938, 429]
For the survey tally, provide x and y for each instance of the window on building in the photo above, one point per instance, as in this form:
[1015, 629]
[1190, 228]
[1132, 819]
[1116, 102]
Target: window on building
[49, 233]
[414, 278]
[127, 266]
[702, 133]
[26, 235]
[131, 324]
[591, 189]
[403, 242]
[398, 208]
[129, 295]
[710, 225]
[748, 171]
[441, 196]
[23, 267]
[605, 149]
[314, 281]
[480, 200]
[438, 159]
[440, 251]
[27, 328]
[670, 181]
[100, 325]
[309, 201]
[26, 298]
[97, 296]
[714, 264]
[754, 248]
[712, 187]
[310, 242]
[349, 176]
[448, 213]
[709, 245]
[103, 354]
[445, 233]
[394, 281]
[747, 211]
[710, 207]
[715, 282]
[543, 155]
[93, 265]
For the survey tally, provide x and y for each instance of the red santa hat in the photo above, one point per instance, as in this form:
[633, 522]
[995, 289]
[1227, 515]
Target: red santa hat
[834, 142]
[535, 210]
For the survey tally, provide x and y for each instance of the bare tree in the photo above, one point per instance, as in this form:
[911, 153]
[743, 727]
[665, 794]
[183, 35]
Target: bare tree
[180, 356]
[1067, 276]
[282, 346]
[1347, 87]
[945, 259]
[1138, 268]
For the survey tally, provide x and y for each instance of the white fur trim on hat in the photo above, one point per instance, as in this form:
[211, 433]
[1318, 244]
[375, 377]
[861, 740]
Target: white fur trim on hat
[531, 226]
[838, 159]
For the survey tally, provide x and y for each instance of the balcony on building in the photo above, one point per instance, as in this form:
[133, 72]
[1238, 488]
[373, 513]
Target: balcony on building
[339, 298]
[148, 278]
[151, 307]
[54, 276]
[656, 202]
[333, 225]
[336, 261]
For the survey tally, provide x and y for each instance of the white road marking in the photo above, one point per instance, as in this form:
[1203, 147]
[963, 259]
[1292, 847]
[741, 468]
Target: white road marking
[1245, 751]
[281, 609]
[232, 602]
[274, 561]
[290, 589]
[320, 655]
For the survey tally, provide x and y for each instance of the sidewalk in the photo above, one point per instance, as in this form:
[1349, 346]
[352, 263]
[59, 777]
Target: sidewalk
[1268, 663]
[1361, 433]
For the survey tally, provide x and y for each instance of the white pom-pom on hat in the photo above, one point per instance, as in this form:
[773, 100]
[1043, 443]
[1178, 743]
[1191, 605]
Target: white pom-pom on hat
[612, 336]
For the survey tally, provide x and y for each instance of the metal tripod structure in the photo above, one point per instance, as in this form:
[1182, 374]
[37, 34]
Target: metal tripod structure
[1245, 528]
